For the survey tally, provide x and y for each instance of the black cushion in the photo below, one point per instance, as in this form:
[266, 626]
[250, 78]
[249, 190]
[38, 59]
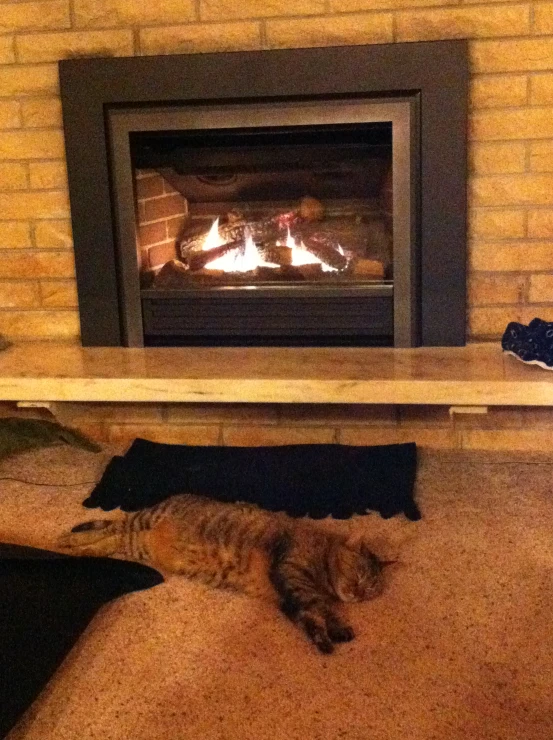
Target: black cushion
[46, 601]
[317, 480]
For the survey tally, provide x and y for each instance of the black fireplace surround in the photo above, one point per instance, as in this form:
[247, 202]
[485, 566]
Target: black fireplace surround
[419, 90]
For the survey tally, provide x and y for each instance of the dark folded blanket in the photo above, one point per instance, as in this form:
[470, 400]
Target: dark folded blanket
[314, 480]
[46, 602]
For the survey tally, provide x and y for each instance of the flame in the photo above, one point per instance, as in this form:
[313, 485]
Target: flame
[212, 238]
[302, 256]
[244, 259]
[248, 258]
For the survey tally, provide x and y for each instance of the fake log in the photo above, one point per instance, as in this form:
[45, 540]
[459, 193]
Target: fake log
[172, 275]
[310, 272]
[372, 269]
[279, 255]
[348, 242]
[311, 209]
[198, 260]
[282, 274]
[325, 248]
[265, 231]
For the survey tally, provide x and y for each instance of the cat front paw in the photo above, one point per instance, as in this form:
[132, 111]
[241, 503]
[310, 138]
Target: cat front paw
[315, 628]
[323, 644]
[341, 633]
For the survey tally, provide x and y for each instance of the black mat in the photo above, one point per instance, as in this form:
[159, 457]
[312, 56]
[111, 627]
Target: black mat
[317, 480]
[46, 601]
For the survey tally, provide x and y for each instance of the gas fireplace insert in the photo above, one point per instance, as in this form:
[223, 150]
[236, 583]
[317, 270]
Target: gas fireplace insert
[298, 197]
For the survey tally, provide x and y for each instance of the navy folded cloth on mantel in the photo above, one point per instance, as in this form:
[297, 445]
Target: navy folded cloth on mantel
[317, 480]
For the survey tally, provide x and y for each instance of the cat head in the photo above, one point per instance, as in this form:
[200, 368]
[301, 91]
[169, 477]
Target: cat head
[355, 572]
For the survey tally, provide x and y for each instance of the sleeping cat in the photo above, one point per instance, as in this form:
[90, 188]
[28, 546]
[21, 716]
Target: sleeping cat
[306, 570]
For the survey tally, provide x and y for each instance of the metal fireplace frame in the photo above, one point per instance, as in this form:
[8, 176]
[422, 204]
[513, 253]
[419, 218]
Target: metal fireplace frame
[104, 99]
[362, 310]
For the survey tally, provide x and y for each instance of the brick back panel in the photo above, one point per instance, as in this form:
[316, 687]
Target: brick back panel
[162, 211]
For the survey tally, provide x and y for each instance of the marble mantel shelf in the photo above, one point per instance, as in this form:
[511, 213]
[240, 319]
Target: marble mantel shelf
[479, 375]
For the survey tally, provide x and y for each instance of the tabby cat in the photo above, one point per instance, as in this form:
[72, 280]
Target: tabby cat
[303, 568]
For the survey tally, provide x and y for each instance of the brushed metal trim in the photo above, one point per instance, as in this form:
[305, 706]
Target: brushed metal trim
[319, 291]
[125, 220]
[398, 112]
[405, 243]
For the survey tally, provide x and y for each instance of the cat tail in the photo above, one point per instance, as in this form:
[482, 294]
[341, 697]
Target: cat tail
[98, 538]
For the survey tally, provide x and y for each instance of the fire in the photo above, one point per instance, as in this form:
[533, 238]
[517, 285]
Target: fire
[244, 259]
[212, 238]
[248, 257]
[302, 256]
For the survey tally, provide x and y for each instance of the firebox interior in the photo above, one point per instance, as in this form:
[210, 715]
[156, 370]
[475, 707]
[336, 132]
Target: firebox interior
[280, 204]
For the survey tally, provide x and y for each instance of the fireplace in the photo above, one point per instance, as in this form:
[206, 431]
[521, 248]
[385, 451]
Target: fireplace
[281, 221]
[291, 197]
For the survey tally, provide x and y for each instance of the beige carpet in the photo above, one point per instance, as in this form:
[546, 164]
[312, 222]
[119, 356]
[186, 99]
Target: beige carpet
[460, 645]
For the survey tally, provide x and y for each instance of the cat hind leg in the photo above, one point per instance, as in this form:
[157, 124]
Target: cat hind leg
[99, 538]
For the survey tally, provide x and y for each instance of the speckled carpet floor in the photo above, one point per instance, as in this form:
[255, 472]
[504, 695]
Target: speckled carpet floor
[460, 645]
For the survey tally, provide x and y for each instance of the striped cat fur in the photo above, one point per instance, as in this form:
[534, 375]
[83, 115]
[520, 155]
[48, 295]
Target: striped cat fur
[304, 569]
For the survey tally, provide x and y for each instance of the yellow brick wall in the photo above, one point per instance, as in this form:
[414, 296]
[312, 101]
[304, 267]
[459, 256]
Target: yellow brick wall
[511, 129]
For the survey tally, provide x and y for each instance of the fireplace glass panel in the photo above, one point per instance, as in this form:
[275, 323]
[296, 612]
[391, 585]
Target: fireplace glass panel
[306, 206]
[286, 222]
